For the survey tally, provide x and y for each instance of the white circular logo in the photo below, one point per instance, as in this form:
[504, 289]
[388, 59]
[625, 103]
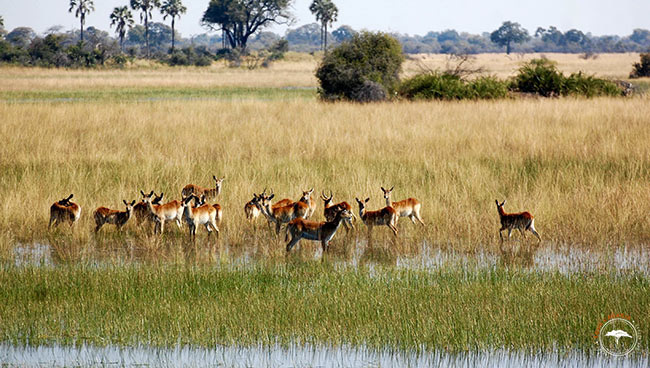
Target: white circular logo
[618, 337]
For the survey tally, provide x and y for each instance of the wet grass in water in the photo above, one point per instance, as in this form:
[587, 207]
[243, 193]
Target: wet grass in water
[454, 309]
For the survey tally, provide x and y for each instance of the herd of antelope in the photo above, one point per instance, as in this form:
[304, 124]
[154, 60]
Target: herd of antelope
[194, 210]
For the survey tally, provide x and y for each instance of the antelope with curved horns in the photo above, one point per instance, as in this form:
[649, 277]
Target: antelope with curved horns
[331, 210]
[409, 207]
[385, 216]
[284, 214]
[521, 221]
[210, 193]
[105, 215]
[205, 215]
[64, 211]
[141, 212]
[312, 230]
[160, 213]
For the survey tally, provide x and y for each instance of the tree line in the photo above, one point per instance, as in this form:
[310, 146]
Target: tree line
[240, 25]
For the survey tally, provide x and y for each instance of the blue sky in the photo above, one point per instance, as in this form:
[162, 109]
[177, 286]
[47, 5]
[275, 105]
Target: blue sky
[407, 16]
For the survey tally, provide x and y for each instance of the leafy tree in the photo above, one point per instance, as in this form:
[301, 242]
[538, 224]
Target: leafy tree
[121, 18]
[21, 36]
[508, 33]
[326, 13]
[550, 35]
[308, 35]
[343, 33]
[81, 9]
[173, 9]
[642, 68]
[448, 35]
[145, 7]
[641, 36]
[364, 69]
[240, 19]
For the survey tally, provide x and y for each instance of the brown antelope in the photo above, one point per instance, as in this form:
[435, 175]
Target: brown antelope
[64, 211]
[409, 207]
[160, 213]
[284, 214]
[205, 215]
[198, 191]
[385, 216]
[312, 230]
[105, 215]
[200, 202]
[141, 212]
[521, 221]
[250, 209]
[331, 210]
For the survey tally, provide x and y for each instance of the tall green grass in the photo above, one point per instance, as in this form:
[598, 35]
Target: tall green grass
[452, 309]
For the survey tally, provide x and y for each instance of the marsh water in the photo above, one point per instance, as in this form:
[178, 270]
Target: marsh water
[294, 356]
[564, 259]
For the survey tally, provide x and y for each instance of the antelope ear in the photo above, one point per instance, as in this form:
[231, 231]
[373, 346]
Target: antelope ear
[504, 202]
[71, 195]
[382, 189]
[150, 194]
[214, 177]
[391, 188]
[141, 192]
[367, 199]
[224, 178]
[497, 201]
[271, 197]
[125, 202]
[133, 202]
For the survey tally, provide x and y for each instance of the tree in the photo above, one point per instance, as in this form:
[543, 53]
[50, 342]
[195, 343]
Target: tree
[145, 7]
[508, 33]
[239, 19]
[326, 13]
[81, 9]
[21, 36]
[343, 33]
[173, 9]
[121, 18]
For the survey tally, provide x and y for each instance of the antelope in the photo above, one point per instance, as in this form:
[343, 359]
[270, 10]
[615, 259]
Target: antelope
[105, 215]
[385, 216]
[200, 202]
[331, 210]
[409, 207]
[198, 191]
[160, 213]
[250, 209]
[284, 214]
[64, 211]
[205, 215]
[521, 221]
[141, 211]
[312, 230]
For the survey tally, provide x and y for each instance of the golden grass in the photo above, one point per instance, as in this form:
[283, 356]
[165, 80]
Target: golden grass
[582, 167]
[296, 71]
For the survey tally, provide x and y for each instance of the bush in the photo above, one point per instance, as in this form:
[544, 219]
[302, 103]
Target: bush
[446, 86]
[541, 76]
[345, 72]
[190, 56]
[641, 69]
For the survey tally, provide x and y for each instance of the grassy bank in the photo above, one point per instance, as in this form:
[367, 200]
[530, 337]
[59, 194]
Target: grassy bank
[447, 309]
[582, 167]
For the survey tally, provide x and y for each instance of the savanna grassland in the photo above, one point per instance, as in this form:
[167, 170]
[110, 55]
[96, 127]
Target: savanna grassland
[581, 166]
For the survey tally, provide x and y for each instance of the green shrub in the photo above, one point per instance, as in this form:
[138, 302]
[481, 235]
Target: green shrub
[345, 72]
[642, 68]
[444, 86]
[541, 76]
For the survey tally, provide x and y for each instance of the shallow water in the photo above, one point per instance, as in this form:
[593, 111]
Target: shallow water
[293, 356]
[565, 259]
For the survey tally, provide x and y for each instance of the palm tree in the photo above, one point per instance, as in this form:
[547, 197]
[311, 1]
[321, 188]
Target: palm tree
[326, 13]
[145, 7]
[81, 9]
[121, 18]
[173, 9]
